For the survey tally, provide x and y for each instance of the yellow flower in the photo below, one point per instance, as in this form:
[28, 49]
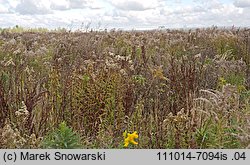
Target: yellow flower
[130, 138]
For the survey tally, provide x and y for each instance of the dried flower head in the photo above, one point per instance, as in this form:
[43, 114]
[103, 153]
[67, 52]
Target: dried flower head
[22, 114]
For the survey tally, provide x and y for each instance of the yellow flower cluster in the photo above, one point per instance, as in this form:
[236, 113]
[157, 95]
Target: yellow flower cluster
[130, 138]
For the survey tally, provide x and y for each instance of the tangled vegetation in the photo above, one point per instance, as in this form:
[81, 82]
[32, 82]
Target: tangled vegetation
[175, 88]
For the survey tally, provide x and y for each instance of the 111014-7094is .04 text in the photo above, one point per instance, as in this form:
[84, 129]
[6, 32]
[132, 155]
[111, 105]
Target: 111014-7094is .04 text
[201, 156]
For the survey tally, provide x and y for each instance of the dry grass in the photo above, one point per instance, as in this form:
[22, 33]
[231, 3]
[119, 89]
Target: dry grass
[177, 89]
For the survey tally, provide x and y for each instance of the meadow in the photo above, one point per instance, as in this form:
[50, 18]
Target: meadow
[175, 88]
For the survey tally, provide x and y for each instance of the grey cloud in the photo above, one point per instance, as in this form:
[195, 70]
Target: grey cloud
[242, 3]
[29, 7]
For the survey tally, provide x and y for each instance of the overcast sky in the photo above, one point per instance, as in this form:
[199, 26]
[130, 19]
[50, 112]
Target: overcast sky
[125, 14]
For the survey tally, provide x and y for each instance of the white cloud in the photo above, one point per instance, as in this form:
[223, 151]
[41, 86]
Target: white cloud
[7, 6]
[190, 10]
[3, 9]
[73, 4]
[59, 5]
[30, 7]
[242, 3]
[78, 4]
[126, 14]
[136, 5]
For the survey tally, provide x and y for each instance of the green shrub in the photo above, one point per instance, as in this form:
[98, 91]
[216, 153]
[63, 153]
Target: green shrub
[62, 138]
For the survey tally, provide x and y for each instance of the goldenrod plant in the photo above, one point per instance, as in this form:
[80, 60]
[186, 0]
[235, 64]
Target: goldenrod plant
[130, 138]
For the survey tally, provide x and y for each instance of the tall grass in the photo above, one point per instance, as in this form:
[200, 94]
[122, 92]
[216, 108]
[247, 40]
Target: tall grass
[177, 89]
